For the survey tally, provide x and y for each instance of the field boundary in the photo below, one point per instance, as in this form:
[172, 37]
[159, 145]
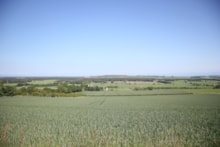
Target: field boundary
[142, 94]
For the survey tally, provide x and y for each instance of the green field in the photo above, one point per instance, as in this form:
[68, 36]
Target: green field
[110, 111]
[42, 82]
[158, 120]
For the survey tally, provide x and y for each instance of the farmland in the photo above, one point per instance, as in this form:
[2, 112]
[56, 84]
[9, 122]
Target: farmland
[173, 114]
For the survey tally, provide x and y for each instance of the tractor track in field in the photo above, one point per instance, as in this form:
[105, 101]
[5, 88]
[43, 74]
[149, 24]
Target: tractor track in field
[102, 102]
[98, 102]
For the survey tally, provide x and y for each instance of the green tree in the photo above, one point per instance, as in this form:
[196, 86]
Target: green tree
[9, 90]
[1, 91]
[1, 83]
[22, 91]
[30, 90]
[63, 88]
[216, 86]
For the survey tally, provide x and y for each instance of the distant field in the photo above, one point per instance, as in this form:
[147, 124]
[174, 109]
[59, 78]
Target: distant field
[42, 82]
[174, 84]
[159, 120]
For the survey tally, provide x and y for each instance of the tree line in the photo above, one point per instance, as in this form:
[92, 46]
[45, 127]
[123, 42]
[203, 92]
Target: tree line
[62, 90]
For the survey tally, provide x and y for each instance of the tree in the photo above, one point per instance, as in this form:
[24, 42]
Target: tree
[63, 88]
[22, 91]
[1, 83]
[216, 86]
[30, 90]
[1, 91]
[8, 90]
[91, 88]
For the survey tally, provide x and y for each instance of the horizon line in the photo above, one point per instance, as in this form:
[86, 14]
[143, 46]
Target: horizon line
[104, 75]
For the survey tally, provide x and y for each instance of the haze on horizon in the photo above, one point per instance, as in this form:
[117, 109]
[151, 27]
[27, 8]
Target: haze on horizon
[112, 37]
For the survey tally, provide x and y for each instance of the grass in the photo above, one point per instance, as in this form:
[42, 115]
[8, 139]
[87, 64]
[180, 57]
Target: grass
[162, 120]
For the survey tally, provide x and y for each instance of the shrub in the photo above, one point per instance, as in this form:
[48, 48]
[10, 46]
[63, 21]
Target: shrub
[8, 91]
[217, 86]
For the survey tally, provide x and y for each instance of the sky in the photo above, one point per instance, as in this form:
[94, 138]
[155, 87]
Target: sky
[109, 37]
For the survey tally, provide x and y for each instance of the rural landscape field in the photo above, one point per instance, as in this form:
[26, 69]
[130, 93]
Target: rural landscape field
[110, 111]
[109, 73]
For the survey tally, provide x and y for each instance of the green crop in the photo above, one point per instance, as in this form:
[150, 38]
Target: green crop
[171, 120]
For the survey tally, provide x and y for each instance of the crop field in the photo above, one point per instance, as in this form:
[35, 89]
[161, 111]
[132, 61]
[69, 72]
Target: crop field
[153, 120]
[41, 82]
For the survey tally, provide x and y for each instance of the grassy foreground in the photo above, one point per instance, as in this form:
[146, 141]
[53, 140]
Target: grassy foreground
[163, 120]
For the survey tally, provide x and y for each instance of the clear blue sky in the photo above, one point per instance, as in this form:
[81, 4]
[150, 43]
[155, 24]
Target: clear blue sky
[125, 37]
